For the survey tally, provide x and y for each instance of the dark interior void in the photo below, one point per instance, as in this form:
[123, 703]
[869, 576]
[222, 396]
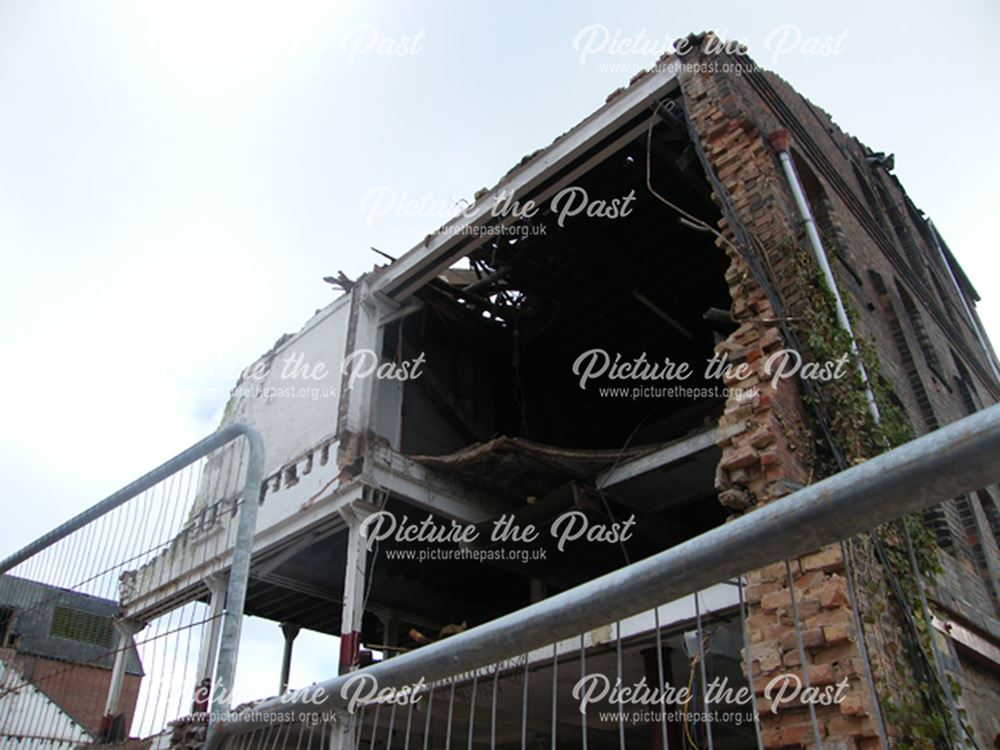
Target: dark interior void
[430, 586]
[498, 409]
[520, 704]
[500, 339]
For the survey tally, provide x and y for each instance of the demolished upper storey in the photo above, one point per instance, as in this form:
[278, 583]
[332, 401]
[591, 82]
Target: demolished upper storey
[491, 368]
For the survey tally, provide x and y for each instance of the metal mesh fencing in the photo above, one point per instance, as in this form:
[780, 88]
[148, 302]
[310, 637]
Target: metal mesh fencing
[112, 622]
[521, 680]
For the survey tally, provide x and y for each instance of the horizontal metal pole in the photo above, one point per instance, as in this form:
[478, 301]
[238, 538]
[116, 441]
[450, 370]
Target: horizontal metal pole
[958, 458]
[184, 458]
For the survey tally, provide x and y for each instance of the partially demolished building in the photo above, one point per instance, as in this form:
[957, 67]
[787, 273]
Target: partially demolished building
[526, 361]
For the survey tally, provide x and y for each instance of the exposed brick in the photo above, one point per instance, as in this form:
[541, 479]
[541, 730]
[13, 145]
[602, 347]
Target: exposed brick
[738, 458]
[848, 726]
[828, 558]
[821, 674]
[837, 632]
[852, 705]
[833, 592]
[810, 639]
[775, 600]
[774, 446]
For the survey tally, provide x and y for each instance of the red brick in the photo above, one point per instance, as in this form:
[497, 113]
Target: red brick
[828, 558]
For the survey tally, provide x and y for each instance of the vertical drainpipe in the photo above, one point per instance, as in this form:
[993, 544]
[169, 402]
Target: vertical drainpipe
[780, 142]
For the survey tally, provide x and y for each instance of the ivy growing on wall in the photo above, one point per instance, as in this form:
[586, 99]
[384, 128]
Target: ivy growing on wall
[917, 708]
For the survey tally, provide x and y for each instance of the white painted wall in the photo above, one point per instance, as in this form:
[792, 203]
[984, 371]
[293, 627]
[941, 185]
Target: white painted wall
[292, 394]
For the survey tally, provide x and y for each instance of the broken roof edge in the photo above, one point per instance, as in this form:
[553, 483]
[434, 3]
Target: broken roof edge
[444, 246]
[284, 341]
[412, 270]
[832, 126]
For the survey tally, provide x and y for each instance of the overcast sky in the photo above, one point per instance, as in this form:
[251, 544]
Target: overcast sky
[177, 177]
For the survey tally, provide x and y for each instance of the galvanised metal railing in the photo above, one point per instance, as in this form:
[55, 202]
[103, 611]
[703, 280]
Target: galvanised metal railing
[109, 633]
[461, 681]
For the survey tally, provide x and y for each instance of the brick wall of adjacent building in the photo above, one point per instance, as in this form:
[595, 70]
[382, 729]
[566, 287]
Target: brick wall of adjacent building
[893, 278]
[79, 689]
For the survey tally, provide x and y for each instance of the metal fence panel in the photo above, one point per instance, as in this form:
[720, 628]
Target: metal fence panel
[527, 705]
[100, 640]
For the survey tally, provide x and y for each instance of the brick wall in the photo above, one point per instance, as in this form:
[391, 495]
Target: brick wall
[871, 232]
[981, 688]
[79, 689]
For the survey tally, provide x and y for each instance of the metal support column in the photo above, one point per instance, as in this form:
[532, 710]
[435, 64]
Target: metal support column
[389, 620]
[290, 631]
